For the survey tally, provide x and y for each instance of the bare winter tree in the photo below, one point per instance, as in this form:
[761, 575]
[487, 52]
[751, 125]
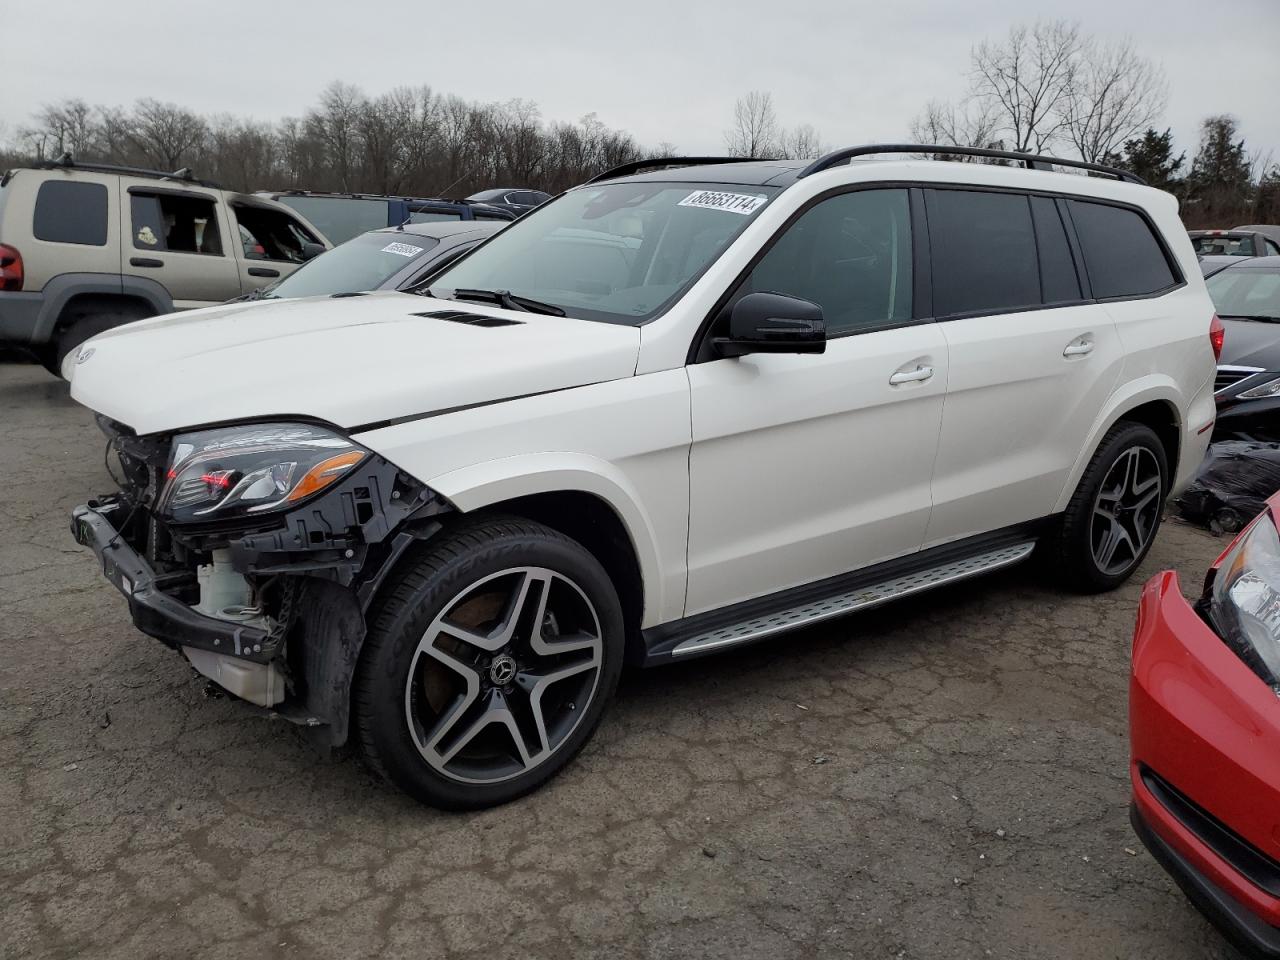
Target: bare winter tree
[164, 133]
[1115, 94]
[66, 127]
[1027, 81]
[800, 143]
[755, 127]
[971, 125]
[406, 141]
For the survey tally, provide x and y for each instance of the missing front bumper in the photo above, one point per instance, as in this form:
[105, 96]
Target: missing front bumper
[154, 612]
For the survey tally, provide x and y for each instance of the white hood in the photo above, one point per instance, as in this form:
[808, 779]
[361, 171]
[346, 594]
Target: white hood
[349, 361]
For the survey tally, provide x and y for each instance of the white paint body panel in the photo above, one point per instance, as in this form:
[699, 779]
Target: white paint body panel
[1017, 414]
[733, 478]
[348, 361]
[804, 467]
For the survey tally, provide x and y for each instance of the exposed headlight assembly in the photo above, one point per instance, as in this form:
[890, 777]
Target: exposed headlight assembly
[236, 472]
[1244, 598]
[1268, 388]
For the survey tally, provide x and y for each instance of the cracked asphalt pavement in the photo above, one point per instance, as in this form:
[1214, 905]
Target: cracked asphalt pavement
[942, 778]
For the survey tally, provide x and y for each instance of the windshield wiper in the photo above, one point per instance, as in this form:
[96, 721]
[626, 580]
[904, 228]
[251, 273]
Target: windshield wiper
[505, 298]
[1265, 318]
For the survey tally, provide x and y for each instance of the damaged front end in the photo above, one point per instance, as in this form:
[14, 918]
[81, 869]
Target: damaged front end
[255, 551]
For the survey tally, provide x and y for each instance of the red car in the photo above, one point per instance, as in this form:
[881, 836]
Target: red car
[1204, 726]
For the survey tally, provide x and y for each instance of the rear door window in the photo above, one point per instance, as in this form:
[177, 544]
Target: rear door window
[1058, 280]
[69, 211]
[176, 224]
[983, 251]
[1121, 252]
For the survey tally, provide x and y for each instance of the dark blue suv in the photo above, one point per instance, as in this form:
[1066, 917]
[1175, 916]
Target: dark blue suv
[341, 216]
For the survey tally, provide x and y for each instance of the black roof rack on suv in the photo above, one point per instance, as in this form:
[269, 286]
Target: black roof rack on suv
[657, 163]
[67, 162]
[1032, 161]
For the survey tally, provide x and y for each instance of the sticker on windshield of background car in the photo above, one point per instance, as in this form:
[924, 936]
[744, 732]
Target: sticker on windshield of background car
[403, 249]
[147, 235]
[743, 203]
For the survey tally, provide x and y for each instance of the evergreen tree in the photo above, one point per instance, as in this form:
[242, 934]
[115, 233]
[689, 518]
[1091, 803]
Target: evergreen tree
[1221, 166]
[1151, 157]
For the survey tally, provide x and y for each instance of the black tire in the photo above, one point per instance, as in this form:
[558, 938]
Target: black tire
[1076, 551]
[398, 701]
[79, 326]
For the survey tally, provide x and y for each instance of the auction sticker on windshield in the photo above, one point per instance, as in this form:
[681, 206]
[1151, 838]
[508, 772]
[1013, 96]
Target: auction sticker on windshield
[403, 249]
[743, 203]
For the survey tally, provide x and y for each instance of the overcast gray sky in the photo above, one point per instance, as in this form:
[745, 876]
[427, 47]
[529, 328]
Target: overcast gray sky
[858, 70]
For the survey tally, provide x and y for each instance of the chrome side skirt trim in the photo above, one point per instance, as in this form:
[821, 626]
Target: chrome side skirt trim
[859, 599]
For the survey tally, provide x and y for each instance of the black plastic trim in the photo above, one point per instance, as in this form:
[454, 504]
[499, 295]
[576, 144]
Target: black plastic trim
[154, 612]
[1028, 160]
[658, 163]
[660, 641]
[1247, 860]
[66, 162]
[1256, 939]
[150, 191]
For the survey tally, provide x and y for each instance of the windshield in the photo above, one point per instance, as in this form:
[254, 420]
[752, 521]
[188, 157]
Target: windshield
[1246, 293]
[619, 252]
[365, 263]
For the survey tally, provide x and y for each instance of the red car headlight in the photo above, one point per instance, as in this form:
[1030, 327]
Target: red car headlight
[1242, 598]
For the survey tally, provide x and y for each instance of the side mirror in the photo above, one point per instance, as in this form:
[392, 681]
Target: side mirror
[773, 323]
[311, 250]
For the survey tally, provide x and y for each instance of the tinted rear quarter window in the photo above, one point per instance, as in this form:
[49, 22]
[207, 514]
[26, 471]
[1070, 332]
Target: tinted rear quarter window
[983, 250]
[69, 211]
[1122, 254]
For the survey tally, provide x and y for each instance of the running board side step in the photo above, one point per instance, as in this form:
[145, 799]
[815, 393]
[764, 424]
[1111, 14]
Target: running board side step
[806, 610]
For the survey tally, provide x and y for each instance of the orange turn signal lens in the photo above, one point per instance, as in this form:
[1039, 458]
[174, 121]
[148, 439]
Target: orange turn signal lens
[324, 473]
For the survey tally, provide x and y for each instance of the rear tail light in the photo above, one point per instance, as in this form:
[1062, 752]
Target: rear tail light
[1217, 334]
[10, 268]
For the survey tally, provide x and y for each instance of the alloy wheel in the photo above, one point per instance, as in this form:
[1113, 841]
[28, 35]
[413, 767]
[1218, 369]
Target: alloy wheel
[503, 675]
[1126, 511]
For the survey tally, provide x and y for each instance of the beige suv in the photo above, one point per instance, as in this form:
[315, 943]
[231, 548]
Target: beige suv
[86, 247]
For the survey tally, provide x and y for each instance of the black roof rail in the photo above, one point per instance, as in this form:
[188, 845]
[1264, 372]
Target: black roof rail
[67, 162]
[1032, 161]
[657, 163]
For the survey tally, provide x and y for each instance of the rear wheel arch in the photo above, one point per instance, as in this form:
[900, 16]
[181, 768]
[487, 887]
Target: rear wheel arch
[1163, 419]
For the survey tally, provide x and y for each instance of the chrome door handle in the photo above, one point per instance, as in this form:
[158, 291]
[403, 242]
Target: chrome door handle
[1078, 348]
[911, 376]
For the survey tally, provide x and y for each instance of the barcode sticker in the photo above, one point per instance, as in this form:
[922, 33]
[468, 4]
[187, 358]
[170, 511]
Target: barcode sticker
[403, 249]
[743, 203]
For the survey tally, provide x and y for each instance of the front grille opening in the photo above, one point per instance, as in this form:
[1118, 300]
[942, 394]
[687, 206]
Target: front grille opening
[471, 319]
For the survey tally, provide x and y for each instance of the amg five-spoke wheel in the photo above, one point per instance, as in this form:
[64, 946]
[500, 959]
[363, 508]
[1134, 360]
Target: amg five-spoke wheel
[489, 663]
[1126, 510]
[1112, 518]
[498, 676]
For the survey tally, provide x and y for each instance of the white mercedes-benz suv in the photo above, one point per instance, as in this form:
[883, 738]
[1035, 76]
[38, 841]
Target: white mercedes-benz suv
[683, 407]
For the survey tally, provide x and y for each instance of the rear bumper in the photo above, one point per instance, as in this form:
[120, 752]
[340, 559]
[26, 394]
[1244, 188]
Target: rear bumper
[154, 612]
[1205, 771]
[20, 317]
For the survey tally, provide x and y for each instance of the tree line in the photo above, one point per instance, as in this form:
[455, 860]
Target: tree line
[1044, 87]
[409, 141]
[1050, 88]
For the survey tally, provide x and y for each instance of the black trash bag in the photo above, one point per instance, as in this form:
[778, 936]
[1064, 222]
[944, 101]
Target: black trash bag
[1232, 485]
